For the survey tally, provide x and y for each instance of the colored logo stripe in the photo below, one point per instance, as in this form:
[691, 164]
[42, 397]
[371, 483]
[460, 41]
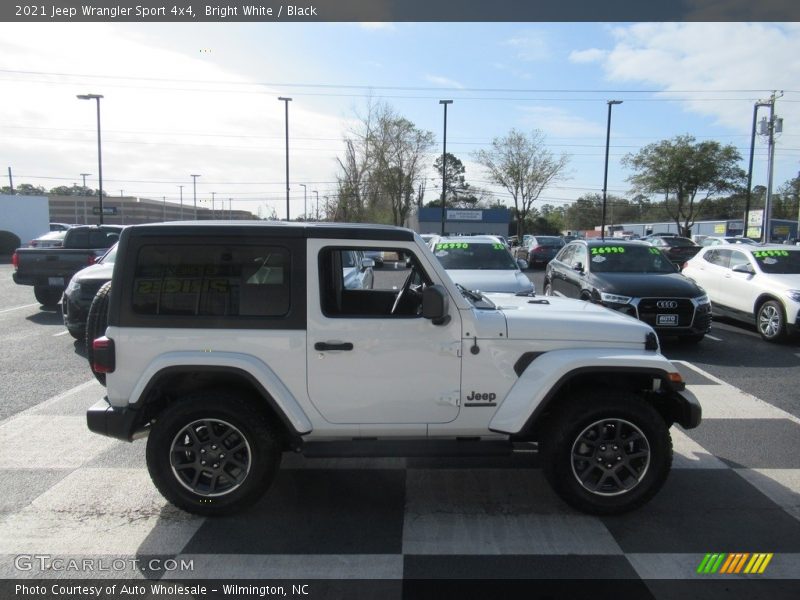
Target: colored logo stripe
[734, 563]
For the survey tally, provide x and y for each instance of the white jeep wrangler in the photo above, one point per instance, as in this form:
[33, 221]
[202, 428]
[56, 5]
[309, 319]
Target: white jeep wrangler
[229, 344]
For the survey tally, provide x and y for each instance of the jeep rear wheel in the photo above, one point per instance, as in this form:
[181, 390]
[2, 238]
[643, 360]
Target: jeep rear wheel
[212, 453]
[607, 453]
[96, 323]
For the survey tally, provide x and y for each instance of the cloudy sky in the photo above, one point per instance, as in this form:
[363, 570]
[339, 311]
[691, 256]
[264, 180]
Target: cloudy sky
[202, 98]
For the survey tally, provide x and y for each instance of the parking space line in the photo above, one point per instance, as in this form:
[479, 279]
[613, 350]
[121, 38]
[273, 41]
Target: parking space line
[18, 307]
[60, 334]
[716, 339]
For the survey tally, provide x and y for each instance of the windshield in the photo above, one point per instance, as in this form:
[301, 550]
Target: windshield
[479, 256]
[678, 241]
[110, 256]
[785, 262]
[629, 259]
[550, 242]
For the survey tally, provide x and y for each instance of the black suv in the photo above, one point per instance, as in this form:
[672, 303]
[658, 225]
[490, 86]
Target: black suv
[634, 278]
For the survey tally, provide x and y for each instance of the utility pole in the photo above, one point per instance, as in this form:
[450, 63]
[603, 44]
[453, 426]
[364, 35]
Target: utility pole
[317, 193]
[605, 170]
[772, 126]
[286, 103]
[194, 191]
[305, 201]
[181, 189]
[230, 209]
[213, 215]
[10, 181]
[165, 208]
[444, 160]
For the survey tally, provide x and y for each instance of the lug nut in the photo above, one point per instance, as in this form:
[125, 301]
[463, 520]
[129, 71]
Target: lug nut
[203, 451]
[603, 448]
[609, 465]
[222, 456]
[619, 458]
[615, 447]
[213, 447]
[216, 465]
[202, 462]
[599, 459]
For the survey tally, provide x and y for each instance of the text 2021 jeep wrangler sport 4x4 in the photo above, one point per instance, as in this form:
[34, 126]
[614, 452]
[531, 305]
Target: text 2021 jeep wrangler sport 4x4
[229, 344]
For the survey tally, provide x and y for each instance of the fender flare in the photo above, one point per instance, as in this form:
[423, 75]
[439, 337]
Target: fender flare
[548, 373]
[255, 371]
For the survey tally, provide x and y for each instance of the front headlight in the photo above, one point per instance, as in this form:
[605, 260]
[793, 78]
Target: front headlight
[794, 295]
[702, 299]
[614, 298]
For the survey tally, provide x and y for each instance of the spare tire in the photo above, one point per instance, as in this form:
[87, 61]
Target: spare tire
[96, 323]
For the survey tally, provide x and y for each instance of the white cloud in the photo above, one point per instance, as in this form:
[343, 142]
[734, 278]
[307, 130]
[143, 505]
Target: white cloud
[558, 122]
[152, 130]
[444, 82]
[681, 57]
[530, 46]
[590, 55]
[515, 72]
[377, 26]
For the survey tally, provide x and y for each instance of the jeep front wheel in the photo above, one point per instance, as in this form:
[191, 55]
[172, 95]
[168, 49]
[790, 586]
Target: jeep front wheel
[607, 453]
[212, 454]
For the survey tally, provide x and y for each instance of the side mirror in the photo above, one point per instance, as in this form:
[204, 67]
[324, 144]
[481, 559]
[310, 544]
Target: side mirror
[522, 264]
[434, 304]
[578, 267]
[744, 268]
[367, 263]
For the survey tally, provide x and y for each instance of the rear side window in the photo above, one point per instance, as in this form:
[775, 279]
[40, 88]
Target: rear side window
[212, 281]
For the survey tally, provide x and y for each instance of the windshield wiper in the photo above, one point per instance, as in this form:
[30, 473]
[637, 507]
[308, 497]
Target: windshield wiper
[469, 293]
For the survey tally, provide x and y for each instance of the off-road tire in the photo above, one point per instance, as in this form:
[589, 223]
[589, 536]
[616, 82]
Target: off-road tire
[96, 323]
[244, 417]
[579, 413]
[46, 296]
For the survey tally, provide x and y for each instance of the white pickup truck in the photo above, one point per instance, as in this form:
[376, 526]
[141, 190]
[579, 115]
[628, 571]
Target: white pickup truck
[229, 344]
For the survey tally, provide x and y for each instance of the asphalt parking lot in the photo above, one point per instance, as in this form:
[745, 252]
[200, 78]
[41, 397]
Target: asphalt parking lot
[735, 488]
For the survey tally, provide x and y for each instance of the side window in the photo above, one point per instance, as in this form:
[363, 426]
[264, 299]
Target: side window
[718, 257]
[351, 285]
[737, 258]
[212, 281]
[580, 256]
[566, 255]
[77, 238]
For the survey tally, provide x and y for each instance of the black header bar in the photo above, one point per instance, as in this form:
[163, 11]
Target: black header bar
[150, 11]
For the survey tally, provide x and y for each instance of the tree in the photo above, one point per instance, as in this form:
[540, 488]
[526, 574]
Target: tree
[457, 193]
[75, 190]
[24, 189]
[524, 167]
[683, 169]
[381, 174]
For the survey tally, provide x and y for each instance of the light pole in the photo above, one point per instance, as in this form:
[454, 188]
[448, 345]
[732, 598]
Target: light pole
[317, 193]
[286, 103]
[99, 150]
[165, 207]
[180, 187]
[84, 175]
[605, 171]
[305, 201]
[756, 106]
[213, 215]
[194, 191]
[444, 158]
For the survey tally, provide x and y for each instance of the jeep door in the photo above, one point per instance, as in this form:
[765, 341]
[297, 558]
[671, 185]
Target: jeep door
[371, 356]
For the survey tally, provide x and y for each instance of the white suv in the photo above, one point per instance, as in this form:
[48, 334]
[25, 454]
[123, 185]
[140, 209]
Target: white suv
[755, 284]
[225, 369]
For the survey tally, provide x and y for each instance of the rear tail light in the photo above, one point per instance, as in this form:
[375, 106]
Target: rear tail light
[104, 359]
[92, 259]
[539, 249]
[15, 261]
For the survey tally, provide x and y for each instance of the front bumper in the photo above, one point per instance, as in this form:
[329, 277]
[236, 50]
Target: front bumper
[112, 421]
[686, 409]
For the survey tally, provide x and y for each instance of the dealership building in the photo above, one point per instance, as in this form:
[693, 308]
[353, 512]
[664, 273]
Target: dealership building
[462, 221]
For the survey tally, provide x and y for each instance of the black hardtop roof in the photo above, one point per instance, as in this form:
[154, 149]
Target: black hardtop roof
[356, 231]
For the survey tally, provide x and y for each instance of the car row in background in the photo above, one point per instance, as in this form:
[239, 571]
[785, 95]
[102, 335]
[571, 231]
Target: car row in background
[752, 283]
[482, 263]
[634, 278]
[81, 290]
[539, 250]
[677, 249]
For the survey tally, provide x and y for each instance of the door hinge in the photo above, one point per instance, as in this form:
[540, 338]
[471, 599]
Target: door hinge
[451, 399]
[453, 349]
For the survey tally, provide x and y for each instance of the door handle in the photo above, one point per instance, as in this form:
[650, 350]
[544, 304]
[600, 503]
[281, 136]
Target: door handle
[323, 346]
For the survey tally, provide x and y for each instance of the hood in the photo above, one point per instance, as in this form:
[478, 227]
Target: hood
[99, 271]
[565, 319]
[782, 281]
[647, 285]
[491, 281]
